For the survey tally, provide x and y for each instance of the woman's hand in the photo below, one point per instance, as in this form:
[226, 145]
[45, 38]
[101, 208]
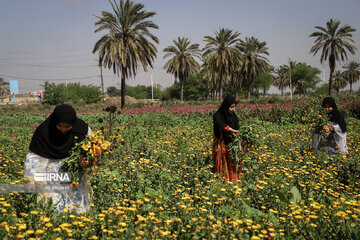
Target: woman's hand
[83, 163]
[233, 131]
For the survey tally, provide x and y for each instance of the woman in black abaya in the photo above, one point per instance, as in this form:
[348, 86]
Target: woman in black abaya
[226, 124]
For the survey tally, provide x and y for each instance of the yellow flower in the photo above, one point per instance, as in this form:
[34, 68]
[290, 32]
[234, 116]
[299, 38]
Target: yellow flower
[48, 225]
[29, 232]
[194, 219]
[39, 231]
[122, 224]
[341, 214]
[141, 218]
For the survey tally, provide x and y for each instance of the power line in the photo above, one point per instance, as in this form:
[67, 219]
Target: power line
[53, 79]
[44, 57]
[85, 60]
[39, 65]
[43, 52]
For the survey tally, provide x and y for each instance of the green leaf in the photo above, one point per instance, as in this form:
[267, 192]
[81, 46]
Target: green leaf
[295, 195]
[252, 212]
[283, 197]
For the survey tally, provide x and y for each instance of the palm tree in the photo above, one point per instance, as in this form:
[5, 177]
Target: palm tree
[289, 71]
[339, 81]
[237, 80]
[333, 43]
[4, 86]
[182, 62]
[127, 43]
[352, 73]
[281, 80]
[253, 60]
[221, 55]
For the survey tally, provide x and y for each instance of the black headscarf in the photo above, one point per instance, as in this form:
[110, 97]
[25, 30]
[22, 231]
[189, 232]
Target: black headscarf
[49, 142]
[222, 118]
[335, 115]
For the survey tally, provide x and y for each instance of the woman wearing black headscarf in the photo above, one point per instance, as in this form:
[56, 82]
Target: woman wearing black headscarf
[336, 138]
[226, 124]
[50, 145]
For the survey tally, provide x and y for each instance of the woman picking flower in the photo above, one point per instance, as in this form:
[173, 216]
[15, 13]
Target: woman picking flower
[226, 123]
[335, 139]
[50, 145]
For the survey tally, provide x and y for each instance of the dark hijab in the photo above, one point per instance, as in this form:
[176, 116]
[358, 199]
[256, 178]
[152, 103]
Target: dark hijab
[335, 116]
[49, 142]
[222, 118]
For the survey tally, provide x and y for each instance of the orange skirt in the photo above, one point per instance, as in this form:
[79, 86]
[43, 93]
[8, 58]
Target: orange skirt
[223, 163]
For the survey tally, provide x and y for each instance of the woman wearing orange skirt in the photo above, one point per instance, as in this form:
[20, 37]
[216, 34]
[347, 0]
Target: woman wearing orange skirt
[226, 124]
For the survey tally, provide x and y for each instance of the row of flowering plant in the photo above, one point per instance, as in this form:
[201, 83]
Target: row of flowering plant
[88, 152]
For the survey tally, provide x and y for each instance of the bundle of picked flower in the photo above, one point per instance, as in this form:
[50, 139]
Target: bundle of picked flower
[88, 153]
[318, 122]
[250, 136]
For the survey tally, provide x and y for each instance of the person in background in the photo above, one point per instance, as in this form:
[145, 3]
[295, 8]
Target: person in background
[226, 124]
[50, 145]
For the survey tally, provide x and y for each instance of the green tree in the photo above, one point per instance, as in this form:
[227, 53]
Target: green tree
[339, 81]
[182, 61]
[333, 41]
[128, 41]
[4, 87]
[264, 81]
[352, 72]
[221, 55]
[195, 88]
[305, 77]
[253, 60]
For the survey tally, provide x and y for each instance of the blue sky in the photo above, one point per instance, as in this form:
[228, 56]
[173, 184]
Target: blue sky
[53, 39]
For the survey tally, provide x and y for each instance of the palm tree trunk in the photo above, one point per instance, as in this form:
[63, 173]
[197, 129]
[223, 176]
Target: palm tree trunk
[123, 88]
[237, 94]
[350, 86]
[304, 90]
[220, 87]
[214, 89]
[332, 68]
[181, 78]
[282, 91]
[249, 92]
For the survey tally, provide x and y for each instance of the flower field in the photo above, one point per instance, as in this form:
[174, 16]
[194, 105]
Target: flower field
[158, 183]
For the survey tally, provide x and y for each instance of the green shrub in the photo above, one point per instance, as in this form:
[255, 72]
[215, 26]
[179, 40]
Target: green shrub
[113, 91]
[71, 93]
